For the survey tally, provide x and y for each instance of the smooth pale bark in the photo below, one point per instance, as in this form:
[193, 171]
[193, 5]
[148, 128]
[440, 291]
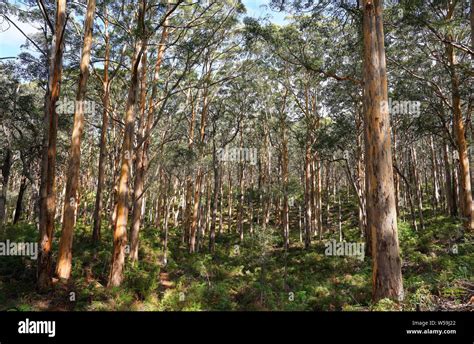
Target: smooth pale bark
[48, 164]
[466, 202]
[64, 264]
[386, 262]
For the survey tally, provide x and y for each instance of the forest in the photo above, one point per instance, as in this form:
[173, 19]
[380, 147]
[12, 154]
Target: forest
[237, 155]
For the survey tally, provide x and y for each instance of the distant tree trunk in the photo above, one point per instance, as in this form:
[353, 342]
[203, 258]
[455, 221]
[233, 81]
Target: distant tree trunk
[240, 211]
[434, 166]
[327, 192]
[6, 167]
[417, 186]
[199, 173]
[48, 165]
[395, 175]
[221, 201]
[215, 198]
[64, 264]
[386, 262]
[195, 210]
[339, 218]
[19, 200]
[103, 137]
[229, 202]
[250, 203]
[450, 194]
[189, 182]
[284, 172]
[408, 193]
[168, 204]
[314, 220]
[307, 192]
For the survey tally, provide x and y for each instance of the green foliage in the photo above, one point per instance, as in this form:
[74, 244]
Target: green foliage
[254, 275]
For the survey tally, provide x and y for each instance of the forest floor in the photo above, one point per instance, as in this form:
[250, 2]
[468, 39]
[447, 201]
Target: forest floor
[256, 275]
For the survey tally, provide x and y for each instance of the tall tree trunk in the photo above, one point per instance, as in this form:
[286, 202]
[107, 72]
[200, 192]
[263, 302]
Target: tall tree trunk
[240, 207]
[120, 225]
[144, 135]
[215, 198]
[284, 173]
[48, 165]
[139, 183]
[63, 268]
[307, 193]
[466, 202]
[103, 137]
[386, 262]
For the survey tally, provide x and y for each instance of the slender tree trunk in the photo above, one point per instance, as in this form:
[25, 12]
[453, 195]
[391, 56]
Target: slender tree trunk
[103, 138]
[215, 200]
[450, 194]
[417, 186]
[48, 166]
[63, 268]
[240, 213]
[6, 168]
[307, 194]
[120, 225]
[144, 141]
[434, 165]
[139, 183]
[19, 200]
[284, 169]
